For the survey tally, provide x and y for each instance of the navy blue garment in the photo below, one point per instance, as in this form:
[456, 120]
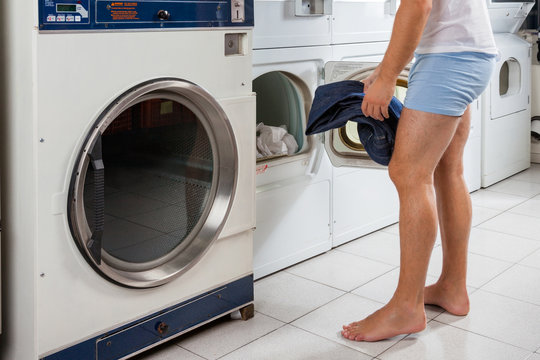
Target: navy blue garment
[336, 103]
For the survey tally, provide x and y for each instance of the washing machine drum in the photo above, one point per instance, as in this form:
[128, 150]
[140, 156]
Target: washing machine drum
[153, 184]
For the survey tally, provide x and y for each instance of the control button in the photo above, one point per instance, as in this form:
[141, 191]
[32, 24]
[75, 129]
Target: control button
[77, 18]
[61, 18]
[51, 18]
[70, 18]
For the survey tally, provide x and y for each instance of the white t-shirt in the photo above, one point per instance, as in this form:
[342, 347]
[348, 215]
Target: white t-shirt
[457, 25]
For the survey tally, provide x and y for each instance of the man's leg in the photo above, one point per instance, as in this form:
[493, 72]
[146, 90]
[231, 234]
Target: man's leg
[422, 138]
[455, 212]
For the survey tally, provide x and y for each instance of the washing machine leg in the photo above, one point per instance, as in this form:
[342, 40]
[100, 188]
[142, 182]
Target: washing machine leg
[247, 312]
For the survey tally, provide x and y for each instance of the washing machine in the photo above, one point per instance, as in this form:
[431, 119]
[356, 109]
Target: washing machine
[128, 170]
[293, 196]
[356, 183]
[507, 112]
[292, 23]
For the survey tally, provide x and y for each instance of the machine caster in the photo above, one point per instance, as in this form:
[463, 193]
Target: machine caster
[247, 312]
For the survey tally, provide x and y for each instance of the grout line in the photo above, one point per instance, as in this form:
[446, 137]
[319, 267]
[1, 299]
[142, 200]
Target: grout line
[191, 352]
[484, 336]
[260, 337]
[335, 342]
[510, 297]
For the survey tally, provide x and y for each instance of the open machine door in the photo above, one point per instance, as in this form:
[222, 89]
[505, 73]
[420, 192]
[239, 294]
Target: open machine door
[343, 146]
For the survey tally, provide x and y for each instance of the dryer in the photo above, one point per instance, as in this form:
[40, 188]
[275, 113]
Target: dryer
[128, 169]
[363, 21]
[369, 184]
[292, 23]
[507, 121]
[293, 197]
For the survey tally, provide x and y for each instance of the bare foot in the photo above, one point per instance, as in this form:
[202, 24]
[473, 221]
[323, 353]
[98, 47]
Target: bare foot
[385, 323]
[451, 298]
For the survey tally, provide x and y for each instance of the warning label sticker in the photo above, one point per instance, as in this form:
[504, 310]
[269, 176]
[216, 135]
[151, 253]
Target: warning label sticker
[123, 10]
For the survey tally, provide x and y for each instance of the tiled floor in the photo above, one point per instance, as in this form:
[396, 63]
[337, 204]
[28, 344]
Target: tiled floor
[300, 310]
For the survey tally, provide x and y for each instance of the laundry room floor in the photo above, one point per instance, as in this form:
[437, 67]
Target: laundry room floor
[300, 310]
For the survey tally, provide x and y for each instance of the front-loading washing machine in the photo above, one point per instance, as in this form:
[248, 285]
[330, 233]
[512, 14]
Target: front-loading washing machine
[364, 198]
[128, 167]
[293, 197]
[507, 112]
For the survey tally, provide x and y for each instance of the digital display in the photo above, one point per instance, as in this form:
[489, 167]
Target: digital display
[66, 8]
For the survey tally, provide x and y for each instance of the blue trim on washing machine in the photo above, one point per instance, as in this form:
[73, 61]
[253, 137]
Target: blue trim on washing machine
[161, 326]
[72, 15]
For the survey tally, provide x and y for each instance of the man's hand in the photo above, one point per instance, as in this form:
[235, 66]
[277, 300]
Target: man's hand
[379, 93]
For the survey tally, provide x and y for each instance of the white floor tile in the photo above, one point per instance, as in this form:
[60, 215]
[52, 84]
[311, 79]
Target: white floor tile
[530, 207]
[327, 321]
[501, 246]
[382, 288]
[481, 214]
[292, 343]
[287, 297]
[340, 270]
[496, 200]
[224, 336]
[168, 351]
[380, 246]
[480, 269]
[534, 356]
[519, 282]
[443, 342]
[532, 260]
[518, 188]
[392, 229]
[508, 320]
[532, 174]
[514, 224]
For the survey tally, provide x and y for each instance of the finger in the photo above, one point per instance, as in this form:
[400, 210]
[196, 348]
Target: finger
[365, 108]
[369, 110]
[385, 112]
[376, 112]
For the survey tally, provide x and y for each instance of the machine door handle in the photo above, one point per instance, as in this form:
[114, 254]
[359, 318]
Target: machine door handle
[94, 245]
[163, 15]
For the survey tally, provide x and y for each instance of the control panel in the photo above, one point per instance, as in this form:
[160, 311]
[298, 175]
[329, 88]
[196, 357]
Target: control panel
[143, 14]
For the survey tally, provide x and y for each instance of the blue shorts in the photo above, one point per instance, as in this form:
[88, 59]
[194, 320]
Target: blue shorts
[446, 83]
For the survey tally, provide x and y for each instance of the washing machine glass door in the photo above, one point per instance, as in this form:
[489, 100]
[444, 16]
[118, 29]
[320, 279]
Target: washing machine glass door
[343, 145]
[154, 183]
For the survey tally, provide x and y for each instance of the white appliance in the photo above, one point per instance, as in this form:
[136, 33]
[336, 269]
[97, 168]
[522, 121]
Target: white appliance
[532, 37]
[362, 21]
[292, 23]
[293, 198]
[370, 185]
[364, 199]
[472, 154]
[129, 174]
[507, 112]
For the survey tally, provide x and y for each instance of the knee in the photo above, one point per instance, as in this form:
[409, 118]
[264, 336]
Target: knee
[447, 169]
[406, 176]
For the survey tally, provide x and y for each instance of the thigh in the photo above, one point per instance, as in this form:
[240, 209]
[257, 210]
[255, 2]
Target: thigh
[421, 140]
[452, 159]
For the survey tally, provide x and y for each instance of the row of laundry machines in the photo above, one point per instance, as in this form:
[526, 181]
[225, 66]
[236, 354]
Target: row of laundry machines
[329, 192]
[133, 206]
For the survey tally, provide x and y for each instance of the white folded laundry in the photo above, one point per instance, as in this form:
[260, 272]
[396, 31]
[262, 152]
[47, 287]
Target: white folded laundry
[272, 140]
